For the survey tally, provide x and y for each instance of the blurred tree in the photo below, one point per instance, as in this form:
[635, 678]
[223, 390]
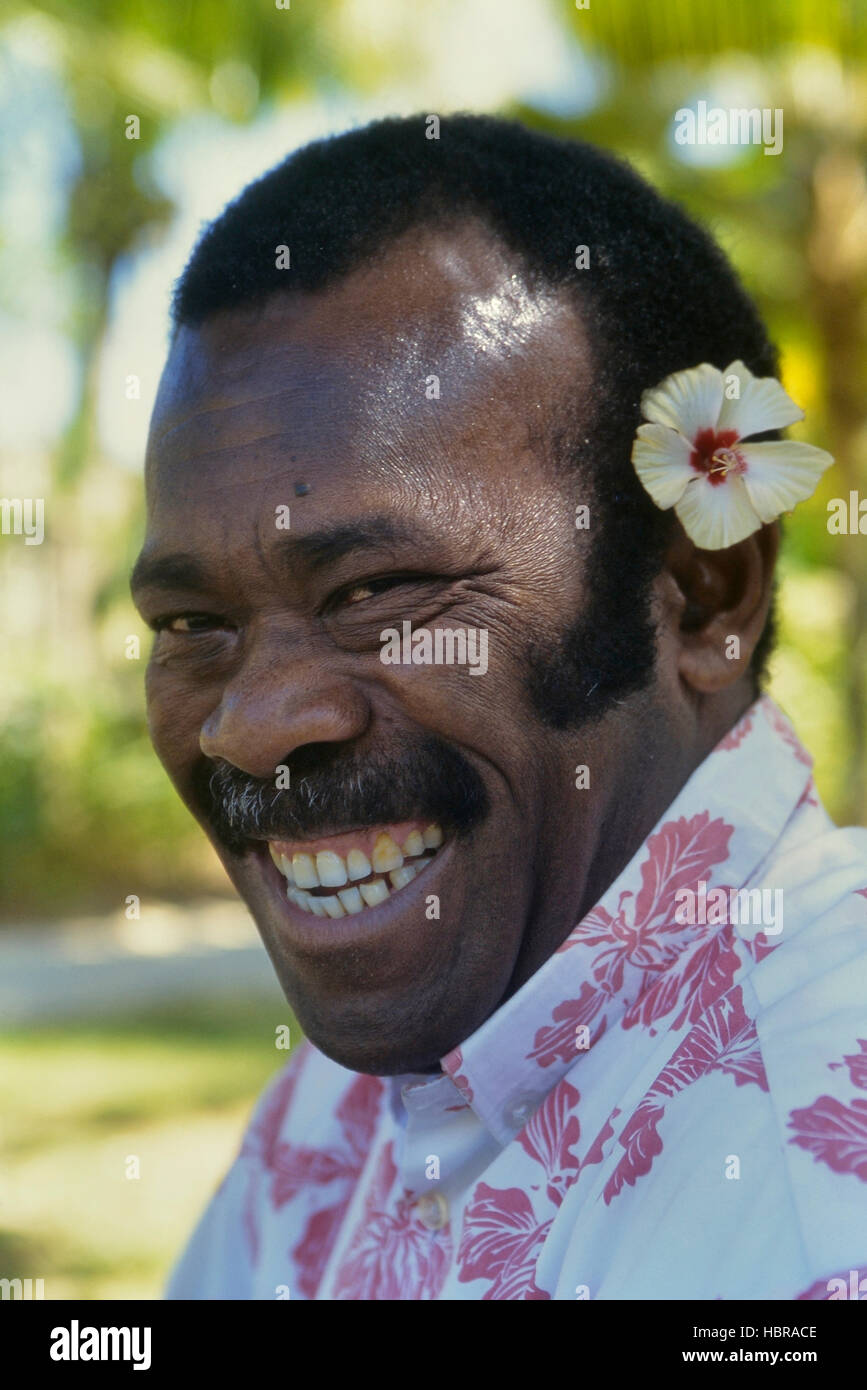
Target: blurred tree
[77, 745]
[809, 61]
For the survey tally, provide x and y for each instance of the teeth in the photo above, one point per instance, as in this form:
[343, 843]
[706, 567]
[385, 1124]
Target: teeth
[328, 870]
[304, 871]
[283, 864]
[375, 892]
[331, 869]
[351, 899]
[357, 864]
[404, 875]
[386, 854]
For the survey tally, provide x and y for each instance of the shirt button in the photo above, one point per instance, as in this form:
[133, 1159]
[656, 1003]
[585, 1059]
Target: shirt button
[432, 1211]
[518, 1114]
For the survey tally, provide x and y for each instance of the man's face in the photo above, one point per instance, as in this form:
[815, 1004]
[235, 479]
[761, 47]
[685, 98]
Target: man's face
[397, 422]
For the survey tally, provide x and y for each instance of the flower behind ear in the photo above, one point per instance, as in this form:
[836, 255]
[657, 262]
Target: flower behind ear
[692, 453]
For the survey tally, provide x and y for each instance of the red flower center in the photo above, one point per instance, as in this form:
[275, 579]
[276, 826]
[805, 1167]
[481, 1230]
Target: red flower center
[712, 454]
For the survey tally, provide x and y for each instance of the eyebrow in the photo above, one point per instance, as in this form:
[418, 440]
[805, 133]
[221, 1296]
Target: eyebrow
[166, 572]
[314, 551]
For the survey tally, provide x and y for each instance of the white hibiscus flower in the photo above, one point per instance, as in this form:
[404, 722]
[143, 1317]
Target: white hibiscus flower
[691, 454]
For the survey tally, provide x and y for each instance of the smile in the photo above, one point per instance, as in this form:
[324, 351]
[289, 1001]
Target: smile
[346, 874]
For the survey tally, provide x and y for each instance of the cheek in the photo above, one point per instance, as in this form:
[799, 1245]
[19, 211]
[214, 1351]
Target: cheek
[175, 718]
[476, 708]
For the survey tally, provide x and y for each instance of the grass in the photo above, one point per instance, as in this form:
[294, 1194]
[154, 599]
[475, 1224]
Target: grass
[172, 1089]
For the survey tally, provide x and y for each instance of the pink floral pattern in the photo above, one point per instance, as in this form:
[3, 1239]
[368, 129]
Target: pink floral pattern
[835, 1133]
[503, 1236]
[758, 946]
[556, 1042]
[852, 1281]
[261, 1139]
[642, 955]
[857, 1065]
[701, 978]
[780, 724]
[735, 737]
[596, 1152]
[452, 1064]
[392, 1255]
[724, 1040]
[296, 1169]
[356, 1114]
[809, 796]
[502, 1243]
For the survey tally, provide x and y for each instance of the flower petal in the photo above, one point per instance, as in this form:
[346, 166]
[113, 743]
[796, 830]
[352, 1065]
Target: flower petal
[763, 404]
[715, 517]
[781, 473]
[660, 457]
[686, 401]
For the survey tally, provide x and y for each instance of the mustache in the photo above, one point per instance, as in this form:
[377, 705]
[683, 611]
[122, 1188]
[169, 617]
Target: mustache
[330, 789]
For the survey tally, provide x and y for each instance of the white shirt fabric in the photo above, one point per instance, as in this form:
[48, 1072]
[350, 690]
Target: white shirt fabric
[667, 1109]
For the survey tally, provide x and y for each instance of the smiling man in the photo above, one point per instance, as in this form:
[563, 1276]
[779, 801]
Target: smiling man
[560, 1044]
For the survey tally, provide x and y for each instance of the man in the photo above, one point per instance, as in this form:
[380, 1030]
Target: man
[579, 956]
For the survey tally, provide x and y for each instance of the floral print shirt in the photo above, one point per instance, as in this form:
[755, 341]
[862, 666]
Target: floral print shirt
[674, 1106]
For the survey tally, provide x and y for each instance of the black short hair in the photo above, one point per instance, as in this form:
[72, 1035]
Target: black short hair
[656, 296]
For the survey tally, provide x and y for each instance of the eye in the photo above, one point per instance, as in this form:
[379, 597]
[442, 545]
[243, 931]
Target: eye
[186, 623]
[359, 593]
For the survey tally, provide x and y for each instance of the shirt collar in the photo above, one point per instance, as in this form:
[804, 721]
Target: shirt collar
[719, 828]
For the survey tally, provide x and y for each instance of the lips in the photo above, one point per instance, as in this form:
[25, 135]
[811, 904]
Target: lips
[344, 875]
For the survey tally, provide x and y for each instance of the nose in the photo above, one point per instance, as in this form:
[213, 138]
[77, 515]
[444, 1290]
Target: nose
[285, 696]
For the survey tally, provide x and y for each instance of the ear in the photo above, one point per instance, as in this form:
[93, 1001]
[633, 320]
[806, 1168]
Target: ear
[724, 596]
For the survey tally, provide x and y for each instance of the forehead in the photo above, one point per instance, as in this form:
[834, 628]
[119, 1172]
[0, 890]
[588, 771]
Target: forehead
[434, 359]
